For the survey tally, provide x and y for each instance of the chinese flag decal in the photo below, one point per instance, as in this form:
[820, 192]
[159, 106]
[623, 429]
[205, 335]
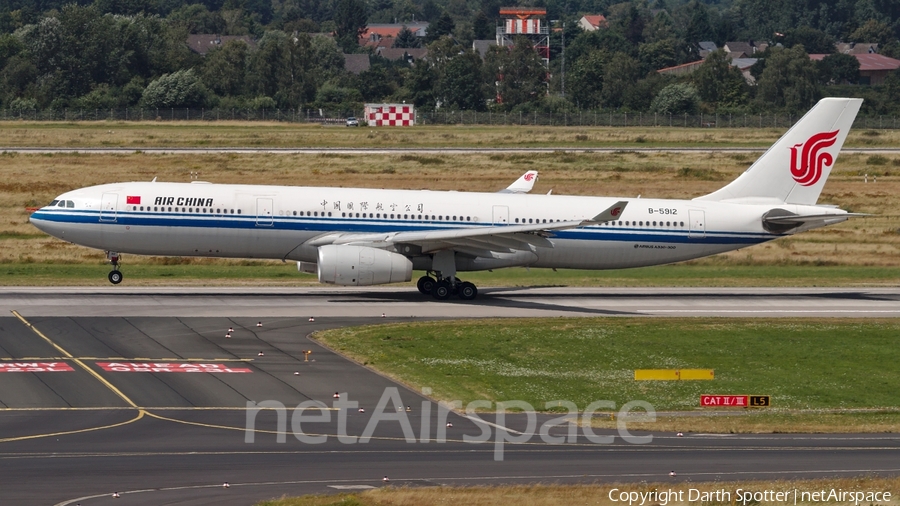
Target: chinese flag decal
[132, 200]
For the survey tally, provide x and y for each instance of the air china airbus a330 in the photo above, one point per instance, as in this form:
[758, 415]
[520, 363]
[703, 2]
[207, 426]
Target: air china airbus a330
[360, 237]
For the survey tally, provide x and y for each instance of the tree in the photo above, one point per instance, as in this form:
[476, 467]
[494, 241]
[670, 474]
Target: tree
[522, 74]
[327, 59]
[621, 74]
[406, 38]
[719, 83]
[280, 68]
[459, 86]
[838, 68]
[376, 83]
[224, 70]
[789, 81]
[657, 55]
[628, 22]
[586, 79]
[676, 98]
[813, 41]
[350, 19]
[443, 26]
[483, 27]
[699, 29]
[872, 31]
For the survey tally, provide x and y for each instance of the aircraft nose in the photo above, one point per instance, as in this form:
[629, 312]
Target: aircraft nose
[42, 222]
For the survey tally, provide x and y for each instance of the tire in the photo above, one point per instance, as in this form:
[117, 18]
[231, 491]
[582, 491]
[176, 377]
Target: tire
[441, 290]
[115, 277]
[426, 285]
[467, 291]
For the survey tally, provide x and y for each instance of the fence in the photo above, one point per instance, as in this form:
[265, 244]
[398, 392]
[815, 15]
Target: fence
[582, 118]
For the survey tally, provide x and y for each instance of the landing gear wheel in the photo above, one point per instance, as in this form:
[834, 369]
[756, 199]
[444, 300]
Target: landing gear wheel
[467, 291]
[426, 285]
[441, 290]
[115, 277]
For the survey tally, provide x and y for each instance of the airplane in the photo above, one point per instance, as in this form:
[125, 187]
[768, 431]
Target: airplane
[362, 236]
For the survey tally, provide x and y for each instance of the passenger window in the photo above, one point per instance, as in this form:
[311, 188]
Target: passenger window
[142, 208]
[134, 208]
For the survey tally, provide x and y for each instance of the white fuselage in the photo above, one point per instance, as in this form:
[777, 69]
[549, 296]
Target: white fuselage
[278, 222]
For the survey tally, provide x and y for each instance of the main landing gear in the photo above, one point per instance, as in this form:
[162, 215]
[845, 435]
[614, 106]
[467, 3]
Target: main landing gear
[115, 275]
[442, 288]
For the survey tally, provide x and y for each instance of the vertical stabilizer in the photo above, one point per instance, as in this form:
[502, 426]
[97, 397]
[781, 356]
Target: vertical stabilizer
[795, 168]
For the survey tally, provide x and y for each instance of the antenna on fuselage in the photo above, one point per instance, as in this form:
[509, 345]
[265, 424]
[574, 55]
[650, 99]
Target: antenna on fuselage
[154, 179]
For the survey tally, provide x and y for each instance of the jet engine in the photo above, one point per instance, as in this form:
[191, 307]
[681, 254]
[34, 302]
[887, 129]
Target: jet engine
[361, 266]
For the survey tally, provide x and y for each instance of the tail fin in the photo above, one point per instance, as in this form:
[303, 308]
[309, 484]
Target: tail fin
[794, 169]
[522, 185]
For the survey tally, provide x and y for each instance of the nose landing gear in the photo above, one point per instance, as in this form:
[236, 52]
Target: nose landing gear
[115, 275]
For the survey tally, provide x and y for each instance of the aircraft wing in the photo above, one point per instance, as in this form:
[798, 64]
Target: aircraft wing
[522, 185]
[475, 241]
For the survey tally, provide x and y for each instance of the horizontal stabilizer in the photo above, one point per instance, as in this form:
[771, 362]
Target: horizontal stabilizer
[811, 217]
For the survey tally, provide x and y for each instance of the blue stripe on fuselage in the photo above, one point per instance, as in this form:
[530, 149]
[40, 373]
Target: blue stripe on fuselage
[376, 225]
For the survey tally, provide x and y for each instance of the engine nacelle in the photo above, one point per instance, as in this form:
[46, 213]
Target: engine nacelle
[361, 266]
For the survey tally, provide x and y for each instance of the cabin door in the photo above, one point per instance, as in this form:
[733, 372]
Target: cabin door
[108, 204]
[264, 212]
[697, 222]
[501, 215]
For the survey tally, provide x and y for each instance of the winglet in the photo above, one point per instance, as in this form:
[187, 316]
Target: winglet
[611, 214]
[522, 185]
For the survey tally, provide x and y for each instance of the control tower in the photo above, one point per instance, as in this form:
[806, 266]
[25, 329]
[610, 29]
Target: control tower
[525, 22]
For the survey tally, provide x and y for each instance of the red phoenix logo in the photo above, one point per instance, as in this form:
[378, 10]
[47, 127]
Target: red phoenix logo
[529, 177]
[808, 169]
[616, 211]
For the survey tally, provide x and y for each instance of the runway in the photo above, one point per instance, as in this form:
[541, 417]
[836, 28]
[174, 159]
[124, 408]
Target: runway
[147, 397]
[406, 302]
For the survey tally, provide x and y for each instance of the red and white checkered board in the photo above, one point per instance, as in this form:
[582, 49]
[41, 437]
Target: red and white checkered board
[393, 116]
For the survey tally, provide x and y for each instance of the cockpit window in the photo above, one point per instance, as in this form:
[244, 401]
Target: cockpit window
[53, 204]
[70, 204]
[62, 203]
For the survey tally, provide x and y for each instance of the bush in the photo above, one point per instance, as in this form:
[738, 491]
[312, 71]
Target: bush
[676, 99]
[178, 89]
[22, 105]
[261, 102]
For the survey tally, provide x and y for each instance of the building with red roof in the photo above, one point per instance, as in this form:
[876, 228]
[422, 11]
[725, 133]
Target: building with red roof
[873, 67]
[592, 22]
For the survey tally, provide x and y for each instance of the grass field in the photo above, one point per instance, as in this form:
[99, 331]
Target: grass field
[803, 365]
[871, 244]
[271, 134]
[553, 495]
